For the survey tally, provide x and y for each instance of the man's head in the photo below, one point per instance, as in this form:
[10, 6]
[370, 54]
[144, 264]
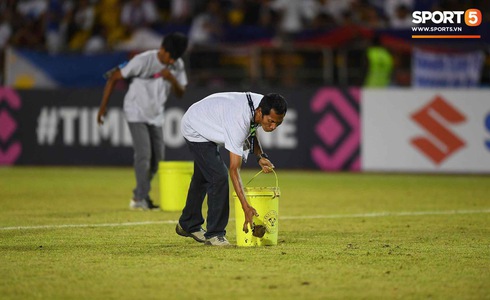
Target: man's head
[271, 111]
[173, 47]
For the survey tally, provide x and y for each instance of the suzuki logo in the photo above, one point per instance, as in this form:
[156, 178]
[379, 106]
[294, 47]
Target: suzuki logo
[435, 118]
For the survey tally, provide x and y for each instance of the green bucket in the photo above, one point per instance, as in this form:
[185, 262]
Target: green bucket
[175, 177]
[265, 200]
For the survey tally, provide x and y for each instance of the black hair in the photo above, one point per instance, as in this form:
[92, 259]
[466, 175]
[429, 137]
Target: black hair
[273, 101]
[175, 43]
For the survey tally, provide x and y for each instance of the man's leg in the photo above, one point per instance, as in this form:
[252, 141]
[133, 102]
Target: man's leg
[142, 157]
[157, 151]
[211, 176]
[157, 148]
[191, 219]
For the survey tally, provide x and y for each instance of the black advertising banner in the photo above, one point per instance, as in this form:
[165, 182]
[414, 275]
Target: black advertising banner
[59, 127]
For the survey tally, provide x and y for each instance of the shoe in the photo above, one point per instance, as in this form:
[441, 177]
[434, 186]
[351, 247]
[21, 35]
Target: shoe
[138, 204]
[198, 236]
[145, 204]
[151, 205]
[217, 241]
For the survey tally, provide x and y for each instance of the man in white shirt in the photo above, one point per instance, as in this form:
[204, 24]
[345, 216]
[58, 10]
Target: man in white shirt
[230, 120]
[152, 74]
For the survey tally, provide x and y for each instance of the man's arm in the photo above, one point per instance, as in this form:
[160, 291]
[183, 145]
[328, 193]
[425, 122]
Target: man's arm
[176, 86]
[108, 88]
[264, 163]
[249, 211]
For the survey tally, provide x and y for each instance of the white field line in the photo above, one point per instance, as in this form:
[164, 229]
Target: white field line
[346, 216]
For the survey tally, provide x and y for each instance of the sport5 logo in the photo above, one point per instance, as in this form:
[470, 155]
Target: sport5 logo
[472, 17]
[436, 118]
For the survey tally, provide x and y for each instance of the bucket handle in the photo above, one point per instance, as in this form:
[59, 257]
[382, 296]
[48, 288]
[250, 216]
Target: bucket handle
[277, 181]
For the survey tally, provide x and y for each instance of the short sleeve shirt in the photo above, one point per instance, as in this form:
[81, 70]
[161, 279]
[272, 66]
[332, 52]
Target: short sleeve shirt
[148, 91]
[222, 118]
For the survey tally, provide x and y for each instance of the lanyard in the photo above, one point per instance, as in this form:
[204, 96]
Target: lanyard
[253, 126]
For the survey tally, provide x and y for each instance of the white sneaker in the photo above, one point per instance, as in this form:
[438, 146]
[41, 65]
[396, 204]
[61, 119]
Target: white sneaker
[145, 204]
[141, 204]
[217, 241]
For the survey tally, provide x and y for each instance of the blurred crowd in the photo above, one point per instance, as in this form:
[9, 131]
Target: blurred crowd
[100, 25]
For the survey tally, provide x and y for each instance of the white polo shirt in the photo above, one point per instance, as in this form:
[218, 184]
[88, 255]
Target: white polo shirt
[222, 118]
[148, 91]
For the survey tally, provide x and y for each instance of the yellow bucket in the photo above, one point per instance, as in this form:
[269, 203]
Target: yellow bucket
[175, 177]
[265, 200]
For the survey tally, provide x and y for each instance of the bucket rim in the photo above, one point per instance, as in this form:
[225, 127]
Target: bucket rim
[174, 164]
[261, 192]
[169, 162]
[258, 173]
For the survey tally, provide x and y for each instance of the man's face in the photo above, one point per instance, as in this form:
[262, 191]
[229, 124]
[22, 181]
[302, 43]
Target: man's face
[164, 57]
[271, 121]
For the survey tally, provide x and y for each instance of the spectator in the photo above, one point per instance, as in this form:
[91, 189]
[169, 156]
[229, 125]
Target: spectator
[205, 35]
[333, 9]
[97, 43]
[6, 29]
[379, 65]
[29, 35]
[109, 17]
[141, 39]
[137, 14]
[207, 27]
[32, 9]
[56, 22]
[402, 18]
[391, 7]
[28, 29]
[370, 17]
[292, 15]
[82, 21]
[181, 11]
[138, 18]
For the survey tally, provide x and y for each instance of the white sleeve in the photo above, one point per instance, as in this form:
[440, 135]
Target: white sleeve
[180, 73]
[133, 68]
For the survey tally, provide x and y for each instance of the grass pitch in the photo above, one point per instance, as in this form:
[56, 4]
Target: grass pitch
[66, 233]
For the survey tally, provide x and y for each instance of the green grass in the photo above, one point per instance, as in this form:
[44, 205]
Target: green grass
[433, 243]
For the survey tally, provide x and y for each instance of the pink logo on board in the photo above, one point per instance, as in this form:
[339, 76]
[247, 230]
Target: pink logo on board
[338, 129]
[10, 149]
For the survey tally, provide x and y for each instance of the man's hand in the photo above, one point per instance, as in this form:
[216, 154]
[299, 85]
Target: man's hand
[266, 165]
[177, 88]
[167, 75]
[100, 116]
[250, 213]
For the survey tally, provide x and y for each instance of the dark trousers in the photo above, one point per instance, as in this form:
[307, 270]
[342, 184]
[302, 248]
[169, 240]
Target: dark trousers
[210, 177]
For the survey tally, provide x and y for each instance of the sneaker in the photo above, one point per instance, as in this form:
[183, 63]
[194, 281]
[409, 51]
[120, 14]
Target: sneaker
[217, 241]
[145, 204]
[151, 205]
[198, 236]
[138, 204]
